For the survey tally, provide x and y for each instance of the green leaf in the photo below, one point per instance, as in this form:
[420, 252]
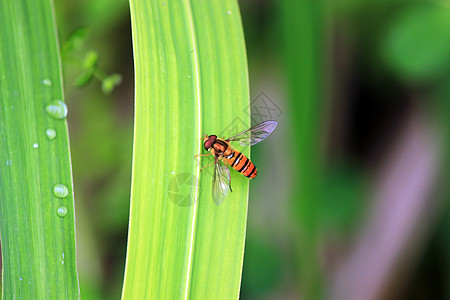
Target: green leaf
[75, 40]
[36, 192]
[90, 60]
[84, 78]
[110, 82]
[191, 79]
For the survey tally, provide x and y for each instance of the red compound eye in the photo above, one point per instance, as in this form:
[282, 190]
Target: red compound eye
[210, 141]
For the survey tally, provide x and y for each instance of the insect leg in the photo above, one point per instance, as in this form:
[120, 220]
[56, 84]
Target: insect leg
[206, 166]
[202, 154]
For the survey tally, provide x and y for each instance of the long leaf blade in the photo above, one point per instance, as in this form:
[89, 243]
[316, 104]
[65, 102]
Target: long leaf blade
[37, 228]
[191, 79]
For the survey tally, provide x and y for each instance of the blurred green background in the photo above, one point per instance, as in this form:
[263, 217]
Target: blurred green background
[351, 198]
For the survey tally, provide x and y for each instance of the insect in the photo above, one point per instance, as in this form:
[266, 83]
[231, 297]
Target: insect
[225, 153]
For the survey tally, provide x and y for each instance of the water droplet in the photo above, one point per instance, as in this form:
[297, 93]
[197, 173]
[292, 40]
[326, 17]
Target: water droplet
[56, 109]
[50, 133]
[61, 212]
[60, 190]
[35, 145]
[229, 12]
[20, 278]
[189, 76]
[47, 82]
[8, 162]
[164, 3]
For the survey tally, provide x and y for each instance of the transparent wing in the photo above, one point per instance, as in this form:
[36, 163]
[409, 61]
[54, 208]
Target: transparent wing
[221, 182]
[255, 134]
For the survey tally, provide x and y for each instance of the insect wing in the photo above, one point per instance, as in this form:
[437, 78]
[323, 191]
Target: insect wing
[221, 182]
[255, 134]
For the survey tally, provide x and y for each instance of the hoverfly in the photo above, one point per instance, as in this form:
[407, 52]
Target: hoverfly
[222, 151]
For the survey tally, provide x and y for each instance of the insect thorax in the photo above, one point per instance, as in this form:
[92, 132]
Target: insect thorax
[221, 147]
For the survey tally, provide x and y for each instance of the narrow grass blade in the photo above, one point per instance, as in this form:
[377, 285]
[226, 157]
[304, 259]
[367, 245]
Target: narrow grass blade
[302, 28]
[36, 198]
[191, 79]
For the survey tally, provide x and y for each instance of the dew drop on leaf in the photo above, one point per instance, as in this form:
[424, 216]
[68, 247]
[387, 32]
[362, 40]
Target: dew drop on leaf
[35, 145]
[47, 82]
[60, 190]
[61, 212]
[50, 133]
[56, 109]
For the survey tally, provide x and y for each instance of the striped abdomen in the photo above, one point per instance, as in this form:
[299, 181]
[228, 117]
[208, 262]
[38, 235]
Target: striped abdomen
[241, 164]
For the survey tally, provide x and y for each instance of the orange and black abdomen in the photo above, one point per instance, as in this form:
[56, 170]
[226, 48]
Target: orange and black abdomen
[241, 164]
